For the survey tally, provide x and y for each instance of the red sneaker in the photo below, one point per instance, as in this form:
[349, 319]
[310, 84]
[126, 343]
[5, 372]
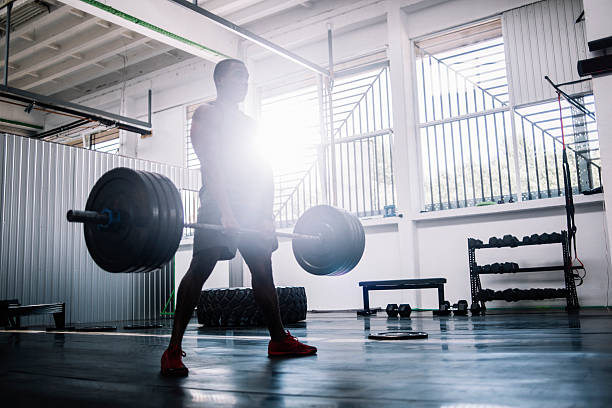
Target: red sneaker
[289, 346]
[172, 363]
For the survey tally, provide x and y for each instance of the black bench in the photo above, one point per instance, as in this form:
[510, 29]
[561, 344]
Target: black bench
[437, 283]
[11, 311]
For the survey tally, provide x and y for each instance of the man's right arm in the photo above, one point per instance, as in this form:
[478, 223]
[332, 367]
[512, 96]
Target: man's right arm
[205, 127]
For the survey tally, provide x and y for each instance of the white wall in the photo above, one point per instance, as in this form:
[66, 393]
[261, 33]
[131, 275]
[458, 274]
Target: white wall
[442, 246]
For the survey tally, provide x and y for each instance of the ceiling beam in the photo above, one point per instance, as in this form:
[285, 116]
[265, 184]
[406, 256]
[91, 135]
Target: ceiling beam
[44, 19]
[252, 37]
[92, 56]
[53, 57]
[262, 9]
[314, 28]
[225, 7]
[162, 21]
[49, 35]
[92, 72]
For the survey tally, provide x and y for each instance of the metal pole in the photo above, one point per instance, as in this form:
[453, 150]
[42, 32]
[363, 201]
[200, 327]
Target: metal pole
[322, 149]
[330, 84]
[228, 25]
[150, 99]
[7, 38]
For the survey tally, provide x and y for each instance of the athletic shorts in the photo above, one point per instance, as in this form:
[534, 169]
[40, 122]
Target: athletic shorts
[248, 217]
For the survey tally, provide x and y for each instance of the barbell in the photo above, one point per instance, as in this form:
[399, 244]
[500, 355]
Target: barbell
[133, 222]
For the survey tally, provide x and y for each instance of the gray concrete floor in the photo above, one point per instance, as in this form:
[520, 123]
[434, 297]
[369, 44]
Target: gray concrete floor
[500, 360]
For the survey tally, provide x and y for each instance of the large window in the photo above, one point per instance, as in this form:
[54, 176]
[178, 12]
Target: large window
[465, 126]
[476, 146]
[296, 129]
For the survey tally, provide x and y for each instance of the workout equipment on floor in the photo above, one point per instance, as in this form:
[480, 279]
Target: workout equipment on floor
[235, 307]
[392, 310]
[133, 222]
[460, 308]
[367, 286]
[480, 295]
[404, 310]
[398, 335]
[11, 311]
[444, 310]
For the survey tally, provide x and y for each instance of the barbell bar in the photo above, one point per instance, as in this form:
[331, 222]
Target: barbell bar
[104, 219]
[133, 222]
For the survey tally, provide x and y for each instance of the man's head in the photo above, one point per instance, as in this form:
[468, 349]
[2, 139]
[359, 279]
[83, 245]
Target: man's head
[231, 79]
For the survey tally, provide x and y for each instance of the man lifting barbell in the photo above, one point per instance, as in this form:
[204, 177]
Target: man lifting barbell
[133, 220]
[237, 192]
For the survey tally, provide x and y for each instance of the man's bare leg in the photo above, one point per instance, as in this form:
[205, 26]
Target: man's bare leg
[189, 291]
[264, 291]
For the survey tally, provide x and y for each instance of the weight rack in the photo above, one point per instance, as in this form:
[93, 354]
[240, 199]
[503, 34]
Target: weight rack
[484, 295]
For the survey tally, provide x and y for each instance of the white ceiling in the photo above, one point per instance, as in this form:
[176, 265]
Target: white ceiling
[60, 51]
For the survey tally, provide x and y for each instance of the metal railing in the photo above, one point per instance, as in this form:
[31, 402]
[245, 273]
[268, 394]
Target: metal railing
[362, 151]
[540, 148]
[465, 127]
[467, 150]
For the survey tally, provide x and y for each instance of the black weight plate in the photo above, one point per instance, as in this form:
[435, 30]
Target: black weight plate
[357, 243]
[175, 217]
[398, 336]
[159, 245]
[350, 242]
[169, 214]
[147, 260]
[120, 248]
[325, 257]
[177, 233]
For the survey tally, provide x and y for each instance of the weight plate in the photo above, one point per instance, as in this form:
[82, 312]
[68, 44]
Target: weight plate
[119, 248]
[147, 259]
[398, 336]
[327, 256]
[357, 241]
[359, 247]
[175, 206]
[159, 245]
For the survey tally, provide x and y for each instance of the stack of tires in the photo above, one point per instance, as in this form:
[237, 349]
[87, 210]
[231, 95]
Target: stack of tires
[236, 307]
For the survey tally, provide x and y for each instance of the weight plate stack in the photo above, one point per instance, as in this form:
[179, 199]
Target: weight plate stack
[175, 211]
[155, 257]
[123, 246]
[337, 251]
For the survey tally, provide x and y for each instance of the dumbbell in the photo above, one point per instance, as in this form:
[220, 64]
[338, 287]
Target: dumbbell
[535, 239]
[474, 243]
[405, 310]
[495, 268]
[460, 308]
[555, 237]
[545, 238]
[510, 240]
[444, 310]
[495, 242]
[392, 310]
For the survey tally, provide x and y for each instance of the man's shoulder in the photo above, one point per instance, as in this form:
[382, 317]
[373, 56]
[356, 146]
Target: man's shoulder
[206, 110]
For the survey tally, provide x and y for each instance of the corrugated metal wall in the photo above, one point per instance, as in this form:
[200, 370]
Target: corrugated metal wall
[43, 258]
[544, 39]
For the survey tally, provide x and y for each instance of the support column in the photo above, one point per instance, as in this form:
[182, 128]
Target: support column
[406, 140]
[597, 26]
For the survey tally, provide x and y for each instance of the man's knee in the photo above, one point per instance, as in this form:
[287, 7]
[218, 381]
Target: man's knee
[203, 262]
[260, 265]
